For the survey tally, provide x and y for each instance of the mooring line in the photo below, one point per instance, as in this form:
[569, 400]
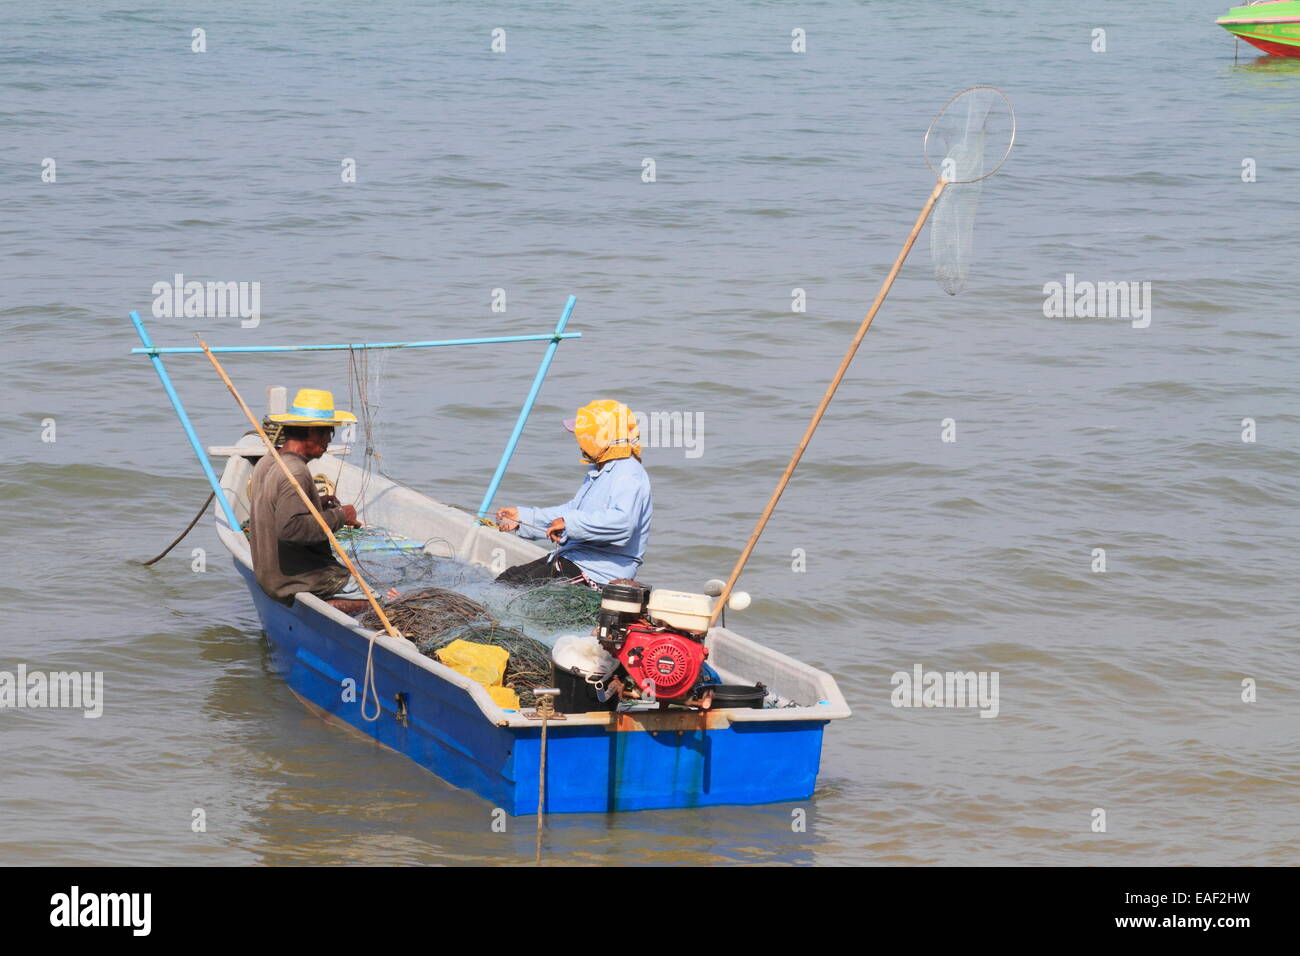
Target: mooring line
[188, 529]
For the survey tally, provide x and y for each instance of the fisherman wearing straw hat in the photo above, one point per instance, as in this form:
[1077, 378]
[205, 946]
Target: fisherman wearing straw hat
[603, 530]
[290, 551]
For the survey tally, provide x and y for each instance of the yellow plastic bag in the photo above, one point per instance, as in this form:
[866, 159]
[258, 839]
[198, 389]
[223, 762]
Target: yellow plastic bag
[480, 662]
[504, 697]
[483, 663]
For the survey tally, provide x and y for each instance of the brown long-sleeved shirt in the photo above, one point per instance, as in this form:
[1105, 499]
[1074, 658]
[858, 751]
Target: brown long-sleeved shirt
[290, 551]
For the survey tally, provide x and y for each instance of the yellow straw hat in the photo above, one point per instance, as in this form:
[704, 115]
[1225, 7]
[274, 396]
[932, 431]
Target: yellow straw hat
[314, 406]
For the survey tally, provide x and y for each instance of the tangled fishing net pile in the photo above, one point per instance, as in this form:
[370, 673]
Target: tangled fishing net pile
[428, 613]
[433, 618]
[555, 606]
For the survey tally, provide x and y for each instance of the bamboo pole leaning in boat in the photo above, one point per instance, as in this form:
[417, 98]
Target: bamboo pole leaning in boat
[368, 683]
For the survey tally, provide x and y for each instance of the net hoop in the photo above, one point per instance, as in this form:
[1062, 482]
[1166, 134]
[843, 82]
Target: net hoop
[925, 142]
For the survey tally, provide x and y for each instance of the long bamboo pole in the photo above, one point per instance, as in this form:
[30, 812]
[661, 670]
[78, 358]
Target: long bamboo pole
[721, 602]
[315, 513]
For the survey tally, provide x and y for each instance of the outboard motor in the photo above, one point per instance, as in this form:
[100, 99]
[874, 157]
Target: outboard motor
[663, 664]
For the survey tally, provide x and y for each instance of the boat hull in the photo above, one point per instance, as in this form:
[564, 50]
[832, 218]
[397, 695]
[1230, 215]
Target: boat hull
[1274, 47]
[663, 761]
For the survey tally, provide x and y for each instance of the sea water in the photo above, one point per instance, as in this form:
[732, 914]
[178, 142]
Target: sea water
[1111, 528]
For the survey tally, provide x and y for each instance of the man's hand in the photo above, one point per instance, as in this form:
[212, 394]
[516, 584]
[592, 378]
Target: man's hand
[329, 501]
[507, 519]
[556, 531]
[350, 517]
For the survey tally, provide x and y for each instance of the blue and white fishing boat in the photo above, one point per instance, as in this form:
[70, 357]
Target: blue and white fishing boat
[448, 723]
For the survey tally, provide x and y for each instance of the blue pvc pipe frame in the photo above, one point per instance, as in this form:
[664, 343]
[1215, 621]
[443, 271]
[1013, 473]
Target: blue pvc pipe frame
[492, 340]
[528, 406]
[190, 433]
[554, 338]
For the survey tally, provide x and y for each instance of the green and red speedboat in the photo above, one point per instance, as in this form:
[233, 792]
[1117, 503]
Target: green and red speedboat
[1271, 25]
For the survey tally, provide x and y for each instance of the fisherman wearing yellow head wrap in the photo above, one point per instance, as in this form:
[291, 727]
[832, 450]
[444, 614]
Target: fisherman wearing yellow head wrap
[603, 531]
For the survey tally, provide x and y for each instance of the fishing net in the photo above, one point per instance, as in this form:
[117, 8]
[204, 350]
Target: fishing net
[966, 143]
[529, 664]
[432, 618]
[428, 612]
[364, 397]
[556, 606]
[390, 560]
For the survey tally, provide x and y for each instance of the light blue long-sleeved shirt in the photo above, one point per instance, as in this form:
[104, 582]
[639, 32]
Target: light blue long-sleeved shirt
[606, 524]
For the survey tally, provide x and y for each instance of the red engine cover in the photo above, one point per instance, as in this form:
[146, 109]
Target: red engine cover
[670, 661]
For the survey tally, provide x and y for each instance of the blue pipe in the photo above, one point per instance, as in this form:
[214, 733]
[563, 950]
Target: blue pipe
[528, 406]
[541, 337]
[185, 421]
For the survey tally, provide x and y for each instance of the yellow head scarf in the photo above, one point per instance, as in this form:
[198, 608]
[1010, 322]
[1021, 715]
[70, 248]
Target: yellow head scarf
[607, 430]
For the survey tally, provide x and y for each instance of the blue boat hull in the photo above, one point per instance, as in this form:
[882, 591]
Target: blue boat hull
[590, 769]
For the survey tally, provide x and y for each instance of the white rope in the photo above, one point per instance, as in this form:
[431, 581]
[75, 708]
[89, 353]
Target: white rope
[368, 685]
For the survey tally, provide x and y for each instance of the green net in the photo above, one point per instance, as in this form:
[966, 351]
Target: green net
[555, 606]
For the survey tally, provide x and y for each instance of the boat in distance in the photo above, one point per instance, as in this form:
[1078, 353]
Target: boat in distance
[1271, 25]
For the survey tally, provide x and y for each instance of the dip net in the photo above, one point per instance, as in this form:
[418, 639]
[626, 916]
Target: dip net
[966, 143]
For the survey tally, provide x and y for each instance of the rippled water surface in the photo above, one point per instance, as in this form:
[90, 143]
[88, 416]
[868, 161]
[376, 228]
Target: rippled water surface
[774, 171]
